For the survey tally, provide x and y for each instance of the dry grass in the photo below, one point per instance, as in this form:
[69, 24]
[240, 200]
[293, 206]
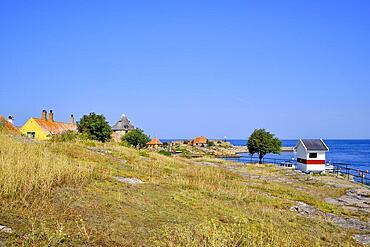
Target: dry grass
[31, 169]
[70, 198]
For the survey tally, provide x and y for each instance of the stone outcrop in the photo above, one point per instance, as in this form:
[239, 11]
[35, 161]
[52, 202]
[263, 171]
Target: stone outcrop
[354, 199]
[128, 180]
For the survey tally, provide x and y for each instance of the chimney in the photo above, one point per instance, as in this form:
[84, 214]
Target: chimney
[44, 115]
[11, 119]
[72, 120]
[51, 116]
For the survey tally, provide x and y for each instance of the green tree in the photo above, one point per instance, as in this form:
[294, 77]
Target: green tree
[136, 138]
[263, 142]
[95, 127]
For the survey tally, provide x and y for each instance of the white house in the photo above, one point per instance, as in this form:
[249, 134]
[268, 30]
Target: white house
[311, 155]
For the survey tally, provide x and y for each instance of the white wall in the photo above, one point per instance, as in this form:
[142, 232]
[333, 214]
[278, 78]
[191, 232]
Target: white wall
[303, 154]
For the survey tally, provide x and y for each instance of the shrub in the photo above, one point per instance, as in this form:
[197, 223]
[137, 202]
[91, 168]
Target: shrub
[95, 127]
[136, 138]
[67, 136]
[164, 152]
[211, 144]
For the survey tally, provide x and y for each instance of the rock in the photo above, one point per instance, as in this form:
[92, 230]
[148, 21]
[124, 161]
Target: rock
[5, 229]
[345, 222]
[99, 150]
[128, 180]
[362, 239]
[206, 164]
[356, 199]
[305, 209]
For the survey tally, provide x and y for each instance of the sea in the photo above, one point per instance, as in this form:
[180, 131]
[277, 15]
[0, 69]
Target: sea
[354, 153]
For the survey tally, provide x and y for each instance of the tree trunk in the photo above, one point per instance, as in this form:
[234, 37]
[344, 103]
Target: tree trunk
[260, 157]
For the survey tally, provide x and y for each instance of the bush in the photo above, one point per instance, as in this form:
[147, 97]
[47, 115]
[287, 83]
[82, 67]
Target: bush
[211, 144]
[164, 152]
[67, 136]
[136, 138]
[95, 127]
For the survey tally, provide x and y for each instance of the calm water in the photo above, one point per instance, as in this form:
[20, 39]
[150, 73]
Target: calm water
[355, 153]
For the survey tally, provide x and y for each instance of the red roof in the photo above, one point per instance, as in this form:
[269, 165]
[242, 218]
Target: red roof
[8, 125]
[200, 140]
[54, 127]
[155, 141]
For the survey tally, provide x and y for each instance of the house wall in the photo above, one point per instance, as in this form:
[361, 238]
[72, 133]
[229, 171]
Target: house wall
[117, 135]
[32, 126]
[301, 152]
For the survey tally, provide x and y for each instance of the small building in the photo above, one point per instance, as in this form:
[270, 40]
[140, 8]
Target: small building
[154, 143]
[311, 155]
[122, 126]
[43, 128]
[8, 124]
[200, 141]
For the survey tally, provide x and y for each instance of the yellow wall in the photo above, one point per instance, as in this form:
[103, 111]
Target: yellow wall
[32, 126]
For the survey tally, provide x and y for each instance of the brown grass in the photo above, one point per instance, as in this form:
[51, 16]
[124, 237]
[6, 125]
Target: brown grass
[69, 197]
[31, 169]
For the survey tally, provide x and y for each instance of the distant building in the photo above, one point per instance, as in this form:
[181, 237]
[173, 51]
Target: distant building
[199, 141]
[8, 124]
[154, 143]
[122, 126]
[311, 155]
[43, 128]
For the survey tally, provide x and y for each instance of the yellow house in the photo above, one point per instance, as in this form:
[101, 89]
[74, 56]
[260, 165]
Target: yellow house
[43, 128]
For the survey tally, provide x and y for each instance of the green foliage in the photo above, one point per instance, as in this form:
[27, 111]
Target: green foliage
[211, 144]
[136, 138]
[95, 127]
[67, 136]
[263, 142]
[164, 152]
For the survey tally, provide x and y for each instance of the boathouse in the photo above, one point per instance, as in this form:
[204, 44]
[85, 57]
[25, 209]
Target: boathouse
[311, 155]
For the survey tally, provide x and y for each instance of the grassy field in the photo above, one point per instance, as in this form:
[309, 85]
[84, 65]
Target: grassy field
[66, 194]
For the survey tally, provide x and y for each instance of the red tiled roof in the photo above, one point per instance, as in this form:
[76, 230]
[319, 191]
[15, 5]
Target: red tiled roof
[54, 127]
[8, 125]
[200, 140]
[155, 141]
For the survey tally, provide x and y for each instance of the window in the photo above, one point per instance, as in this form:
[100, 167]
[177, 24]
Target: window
[313, 155]
[31, 135]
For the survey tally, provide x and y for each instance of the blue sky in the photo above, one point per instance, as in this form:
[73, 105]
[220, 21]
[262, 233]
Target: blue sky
[184, 68]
